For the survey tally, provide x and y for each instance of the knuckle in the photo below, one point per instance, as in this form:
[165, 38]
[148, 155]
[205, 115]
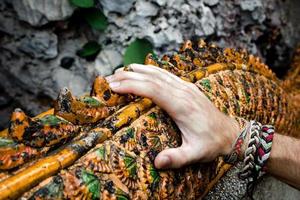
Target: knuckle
[152, 88]
[119, 76]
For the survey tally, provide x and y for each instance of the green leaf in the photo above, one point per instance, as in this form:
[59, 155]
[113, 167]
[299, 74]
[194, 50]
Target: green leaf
[89, 51]
[83, 3]
[96, 19]
[92, 183]
[137, 51]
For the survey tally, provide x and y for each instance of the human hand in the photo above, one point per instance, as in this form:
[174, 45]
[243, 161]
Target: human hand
[206, 132]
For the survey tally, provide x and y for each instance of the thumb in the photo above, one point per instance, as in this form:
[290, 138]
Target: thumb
[172, 158]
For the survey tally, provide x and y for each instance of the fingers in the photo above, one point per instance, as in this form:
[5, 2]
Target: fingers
[166, 90]
[173, 158]
[155, 71]
[147, 89]
[151, 73]
[133, 86]
[151, 70]
[119, 70]
[123, 75]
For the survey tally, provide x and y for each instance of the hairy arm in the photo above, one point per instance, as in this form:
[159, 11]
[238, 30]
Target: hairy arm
[284, 161]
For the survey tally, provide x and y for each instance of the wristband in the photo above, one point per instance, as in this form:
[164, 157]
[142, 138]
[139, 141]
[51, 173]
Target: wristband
[257, 150]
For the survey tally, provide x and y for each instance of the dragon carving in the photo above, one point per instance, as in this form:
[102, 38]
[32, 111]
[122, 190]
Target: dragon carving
[102, 145]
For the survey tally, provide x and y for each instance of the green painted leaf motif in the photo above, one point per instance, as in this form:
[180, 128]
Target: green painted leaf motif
[155, 176]
[91, 101]
[224, 110]
[4, 142]
[92, 183]
[182, 57]
[137, 51]
[208, 96]
[121, 195]
[155, 57]
[153, 115]
[247, 96]
[130, 164]
[51, 120]
[90, 49]
[163, 62]
[206, 84]
[238, 109]
[96, 19]
[101, 152]
[130, 132]
[155, 141]
[83, 3]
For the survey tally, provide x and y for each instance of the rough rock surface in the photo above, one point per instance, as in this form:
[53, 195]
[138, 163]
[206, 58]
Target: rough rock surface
[121, 6]
[38, 12]
[231, 187]
[39, 41]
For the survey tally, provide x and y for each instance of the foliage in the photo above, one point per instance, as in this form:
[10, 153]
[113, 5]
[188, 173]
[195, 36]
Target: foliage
[137, 51]
[89, 51]
[96, 19]
[83, 3]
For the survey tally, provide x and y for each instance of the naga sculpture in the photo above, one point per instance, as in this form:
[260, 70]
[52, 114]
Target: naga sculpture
[102, 145]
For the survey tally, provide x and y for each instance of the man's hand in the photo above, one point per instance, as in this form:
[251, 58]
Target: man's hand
[206, 132]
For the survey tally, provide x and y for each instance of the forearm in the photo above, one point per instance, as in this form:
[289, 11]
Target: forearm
[284, 161]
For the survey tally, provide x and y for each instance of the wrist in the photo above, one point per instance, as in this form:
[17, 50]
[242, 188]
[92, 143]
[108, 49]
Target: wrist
[230, 133]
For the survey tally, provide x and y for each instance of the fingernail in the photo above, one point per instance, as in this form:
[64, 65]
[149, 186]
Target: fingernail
[164, 162]
[109, 78]
[114, 84]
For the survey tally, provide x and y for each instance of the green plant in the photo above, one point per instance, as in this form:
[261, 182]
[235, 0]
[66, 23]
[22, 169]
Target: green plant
[95, 18]
[137, 51]
[89, 51]
[83, 3]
